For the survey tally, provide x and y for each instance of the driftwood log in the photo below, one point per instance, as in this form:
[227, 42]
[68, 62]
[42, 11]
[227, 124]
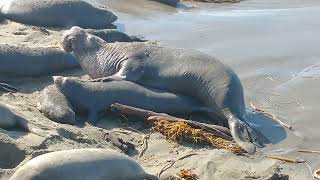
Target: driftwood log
[150, 116]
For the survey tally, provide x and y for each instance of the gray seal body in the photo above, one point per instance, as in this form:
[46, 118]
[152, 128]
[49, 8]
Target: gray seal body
[112, 35]
[95, 97]
[55, 106]
[183, 71]
[168, 2]
[24, 61]
[84, 164]
[10, 120]
[57, 13]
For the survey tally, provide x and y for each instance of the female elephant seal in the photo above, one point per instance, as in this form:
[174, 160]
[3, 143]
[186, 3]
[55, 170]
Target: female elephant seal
[84, 164]
[9, 120]
[56, 13]
[95, 97]
[19, 61]
[184, 71]
[55, 106]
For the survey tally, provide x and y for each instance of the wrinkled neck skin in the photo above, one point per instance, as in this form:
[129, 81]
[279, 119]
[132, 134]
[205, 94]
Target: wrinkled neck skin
[104, 60]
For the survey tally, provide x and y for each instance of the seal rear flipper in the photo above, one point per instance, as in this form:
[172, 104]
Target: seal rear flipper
[243, 134]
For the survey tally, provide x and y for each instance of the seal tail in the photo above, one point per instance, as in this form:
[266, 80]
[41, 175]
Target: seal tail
[243, 134]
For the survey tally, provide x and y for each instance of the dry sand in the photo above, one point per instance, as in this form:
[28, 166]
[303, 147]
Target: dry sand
[273, 46]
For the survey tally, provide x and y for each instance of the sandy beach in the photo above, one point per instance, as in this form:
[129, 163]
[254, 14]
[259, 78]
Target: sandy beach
[273, 47]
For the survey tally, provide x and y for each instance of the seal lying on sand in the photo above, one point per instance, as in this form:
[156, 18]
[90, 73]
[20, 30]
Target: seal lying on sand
[111, 35]
[184, 71]
[168, 2]
[9, 120]
[24, 61]
[84, 164]
[55, 106]
[56, 13]
[95, 97]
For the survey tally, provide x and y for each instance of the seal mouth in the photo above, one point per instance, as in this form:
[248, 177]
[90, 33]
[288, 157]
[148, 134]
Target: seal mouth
[67, 44]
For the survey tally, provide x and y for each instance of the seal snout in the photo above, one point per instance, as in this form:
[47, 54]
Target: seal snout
[58, 80]
[66, 43]
[69, 36]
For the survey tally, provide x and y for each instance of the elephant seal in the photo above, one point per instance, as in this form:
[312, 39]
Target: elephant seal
[84, 164]
[9, 120]
[183, 71]
[56, 13]
[94, 97]
[55, 106]
[23, 61]
[168, 2]
[111, 35]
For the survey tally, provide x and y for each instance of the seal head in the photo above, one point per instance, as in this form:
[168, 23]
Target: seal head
[78, 39]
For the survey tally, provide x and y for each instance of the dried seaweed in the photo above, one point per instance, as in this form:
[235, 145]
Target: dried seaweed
[178, 131]
[184, 174]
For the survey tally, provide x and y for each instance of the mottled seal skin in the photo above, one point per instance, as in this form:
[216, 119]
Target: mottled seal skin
[84, 164]
[24, 61]
[55, 106]
[111, 35]
[57, 13]
[184, 71]
[95, 97]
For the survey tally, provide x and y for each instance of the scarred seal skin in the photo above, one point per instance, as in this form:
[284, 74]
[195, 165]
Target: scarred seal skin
[183, 71]
[56, 13]
[94, 97]
[84, 164]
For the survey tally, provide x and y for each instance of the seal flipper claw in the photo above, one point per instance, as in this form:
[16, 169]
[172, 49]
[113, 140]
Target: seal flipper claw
[8, 87]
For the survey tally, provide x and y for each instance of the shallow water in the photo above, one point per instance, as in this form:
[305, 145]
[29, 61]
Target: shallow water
[273, 46]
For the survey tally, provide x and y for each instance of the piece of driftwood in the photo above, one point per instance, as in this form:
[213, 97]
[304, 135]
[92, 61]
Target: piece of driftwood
[273, 116]
[219, 131]
[285, 159]
[124, 146]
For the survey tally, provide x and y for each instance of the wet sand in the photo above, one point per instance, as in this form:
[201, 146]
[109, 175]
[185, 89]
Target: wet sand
[273, 46]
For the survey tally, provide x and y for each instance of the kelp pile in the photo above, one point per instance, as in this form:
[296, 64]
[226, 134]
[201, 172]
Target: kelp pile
[184, 174]
[178, 131]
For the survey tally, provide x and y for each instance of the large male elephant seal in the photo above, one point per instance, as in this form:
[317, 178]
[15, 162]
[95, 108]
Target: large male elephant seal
[84, 164]
[56, 13]
[184, 71]
[95, 97]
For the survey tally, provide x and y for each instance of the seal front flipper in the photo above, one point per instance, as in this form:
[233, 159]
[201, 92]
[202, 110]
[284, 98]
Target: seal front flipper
[8, 87]
[114, 77]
